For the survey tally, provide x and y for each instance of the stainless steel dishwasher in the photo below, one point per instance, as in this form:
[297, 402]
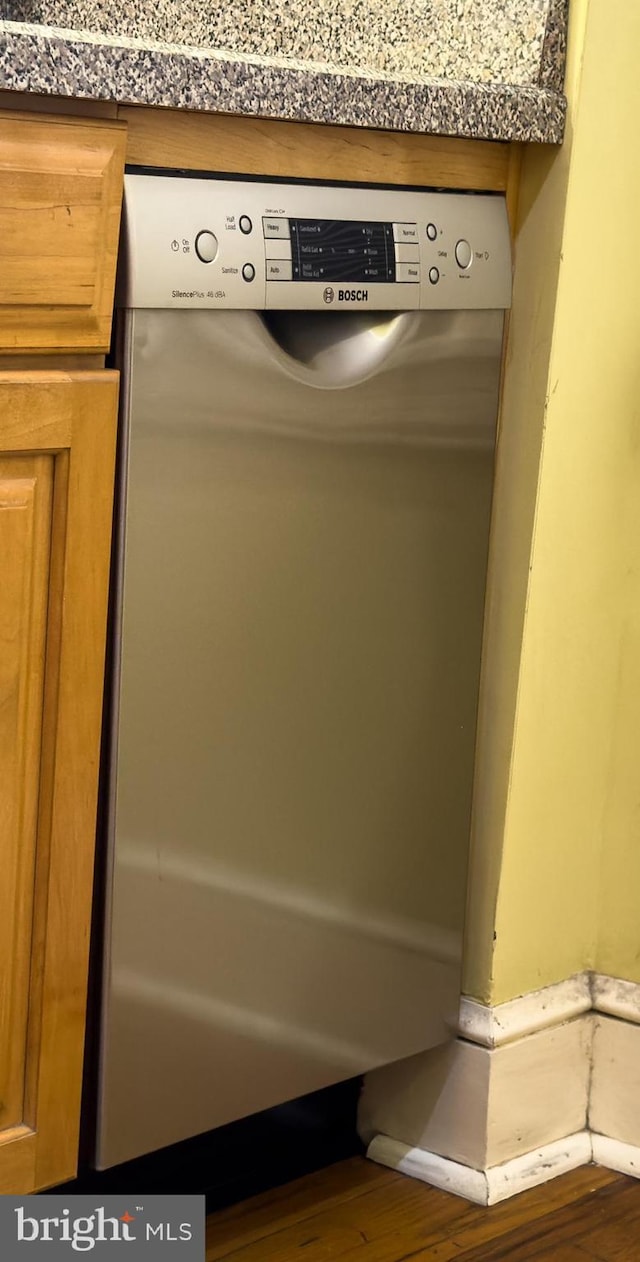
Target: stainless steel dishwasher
[310, 390]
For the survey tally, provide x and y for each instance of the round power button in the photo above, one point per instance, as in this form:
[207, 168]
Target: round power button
[248, 271]
[463, 254]
[206, 246]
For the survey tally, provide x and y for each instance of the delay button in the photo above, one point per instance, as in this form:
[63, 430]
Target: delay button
[464, 254]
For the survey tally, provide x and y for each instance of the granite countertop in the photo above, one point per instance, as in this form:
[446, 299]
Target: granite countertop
[485, 69]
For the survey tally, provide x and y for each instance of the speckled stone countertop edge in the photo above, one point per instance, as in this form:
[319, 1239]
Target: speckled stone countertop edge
[49, 64]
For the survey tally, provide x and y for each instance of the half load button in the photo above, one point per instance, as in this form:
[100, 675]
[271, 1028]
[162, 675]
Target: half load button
[464, 254]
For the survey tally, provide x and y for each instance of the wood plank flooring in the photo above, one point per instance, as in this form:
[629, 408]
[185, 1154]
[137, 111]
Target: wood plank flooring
[359, 1212]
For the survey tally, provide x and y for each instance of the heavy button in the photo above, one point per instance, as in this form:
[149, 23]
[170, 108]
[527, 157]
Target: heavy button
[245, 224]
[206, 246]
[275, 227]
[463, 254]
[248, 271]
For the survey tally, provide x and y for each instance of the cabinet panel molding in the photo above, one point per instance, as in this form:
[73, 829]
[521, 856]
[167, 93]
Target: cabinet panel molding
[57, 453]
[25, 514]
[60, 197]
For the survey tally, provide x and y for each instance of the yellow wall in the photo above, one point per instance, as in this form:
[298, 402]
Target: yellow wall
[555, 873]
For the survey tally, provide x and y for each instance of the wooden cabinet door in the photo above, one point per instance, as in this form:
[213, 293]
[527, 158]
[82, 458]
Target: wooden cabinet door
[57, 444]
[61, 183]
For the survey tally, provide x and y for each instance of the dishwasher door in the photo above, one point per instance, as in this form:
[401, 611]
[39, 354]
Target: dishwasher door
[300, 588]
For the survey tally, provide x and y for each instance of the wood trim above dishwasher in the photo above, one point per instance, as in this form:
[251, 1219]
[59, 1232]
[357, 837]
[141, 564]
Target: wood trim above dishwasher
[180, 139]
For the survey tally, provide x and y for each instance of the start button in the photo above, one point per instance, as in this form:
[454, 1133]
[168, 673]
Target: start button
[464, 254]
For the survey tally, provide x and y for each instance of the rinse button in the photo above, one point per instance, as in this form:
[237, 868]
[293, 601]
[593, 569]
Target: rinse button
[408, 272]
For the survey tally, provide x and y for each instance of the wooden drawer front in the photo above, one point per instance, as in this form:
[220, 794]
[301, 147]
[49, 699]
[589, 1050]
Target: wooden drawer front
[60, 198]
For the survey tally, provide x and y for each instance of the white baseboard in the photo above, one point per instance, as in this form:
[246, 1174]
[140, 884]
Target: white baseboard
[615, 1155]
[616, 997]
[491, 1027]
[483, 1106]
[529, 1089]
[614, 1105]
[496, 1183]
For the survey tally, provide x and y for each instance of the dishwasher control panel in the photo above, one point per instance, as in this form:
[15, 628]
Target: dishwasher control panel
[193, 242]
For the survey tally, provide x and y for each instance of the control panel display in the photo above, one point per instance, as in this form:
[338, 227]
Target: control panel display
[200, 243]
[342, 250]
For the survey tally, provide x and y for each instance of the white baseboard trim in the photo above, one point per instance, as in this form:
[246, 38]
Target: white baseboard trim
[615, 1155]
[491, 1027]
[616, 997]
[496, 1183]
[528, 1089]
[483, 1106]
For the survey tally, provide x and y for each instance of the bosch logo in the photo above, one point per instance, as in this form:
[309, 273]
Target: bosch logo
[328, 294]
[353, 295]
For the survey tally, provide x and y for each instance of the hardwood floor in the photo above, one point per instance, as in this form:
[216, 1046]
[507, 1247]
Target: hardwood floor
[359, 1212]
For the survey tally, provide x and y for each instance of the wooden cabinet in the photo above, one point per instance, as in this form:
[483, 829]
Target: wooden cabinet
[57, 445]
[60, 197]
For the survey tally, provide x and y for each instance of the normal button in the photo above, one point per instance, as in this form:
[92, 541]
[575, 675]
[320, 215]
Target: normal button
[405, 232]
[275, 227]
